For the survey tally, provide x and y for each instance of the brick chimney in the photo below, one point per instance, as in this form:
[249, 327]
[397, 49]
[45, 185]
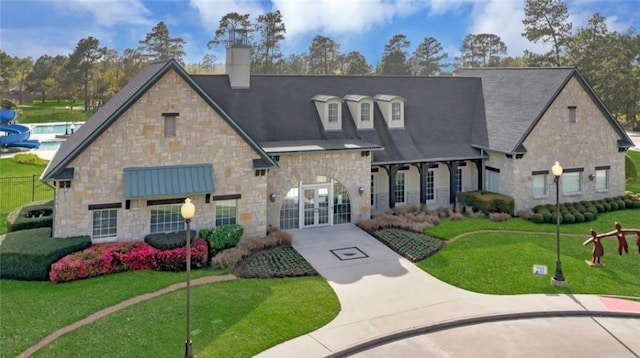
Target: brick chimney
[238, 60]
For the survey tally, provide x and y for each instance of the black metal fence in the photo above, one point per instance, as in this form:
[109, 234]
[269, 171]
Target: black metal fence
[17, 191]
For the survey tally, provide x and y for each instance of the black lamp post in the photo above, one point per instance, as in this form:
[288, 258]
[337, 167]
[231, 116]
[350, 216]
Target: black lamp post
[187, 211]
[558, 277]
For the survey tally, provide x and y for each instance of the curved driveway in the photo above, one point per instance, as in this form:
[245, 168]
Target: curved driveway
[388, 303]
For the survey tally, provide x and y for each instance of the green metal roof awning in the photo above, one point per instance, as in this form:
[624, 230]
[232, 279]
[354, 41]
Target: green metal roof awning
[165, 181]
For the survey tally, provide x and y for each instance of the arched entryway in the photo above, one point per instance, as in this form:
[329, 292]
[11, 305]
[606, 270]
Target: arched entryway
[316, 201]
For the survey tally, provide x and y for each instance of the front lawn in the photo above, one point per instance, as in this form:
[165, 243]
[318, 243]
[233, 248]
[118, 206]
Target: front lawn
[634, 184]
[238, 318]
[19, 185]
[448, 229]
[307, 302]
[502, 263]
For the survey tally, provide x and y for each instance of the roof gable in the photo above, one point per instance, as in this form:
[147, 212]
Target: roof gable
[119, 104]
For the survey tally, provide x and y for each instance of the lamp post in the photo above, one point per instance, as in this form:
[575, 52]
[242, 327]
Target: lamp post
[558, 277]
[187, 211]
[66, 123]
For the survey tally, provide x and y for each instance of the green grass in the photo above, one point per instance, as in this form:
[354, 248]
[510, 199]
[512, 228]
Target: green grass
[44, 114]
[55, 103]
[31, 310]
[17, 192]
[229, 319]
[634, 184]
[502, 263]
[448, 229]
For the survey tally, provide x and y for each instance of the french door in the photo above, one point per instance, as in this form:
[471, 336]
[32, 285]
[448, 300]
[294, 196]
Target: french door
[316, 205]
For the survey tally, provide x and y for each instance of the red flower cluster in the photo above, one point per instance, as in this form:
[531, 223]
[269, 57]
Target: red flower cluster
[104, 259]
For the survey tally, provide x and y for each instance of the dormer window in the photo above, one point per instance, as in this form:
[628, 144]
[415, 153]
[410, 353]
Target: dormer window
[361, 109]
[365, 111]
[396, 112]
[333, 112]
[330, 111]
[392, 108]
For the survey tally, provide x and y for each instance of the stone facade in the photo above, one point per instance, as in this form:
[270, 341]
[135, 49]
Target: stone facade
[137, 139]
[589, 142]
[351, 169]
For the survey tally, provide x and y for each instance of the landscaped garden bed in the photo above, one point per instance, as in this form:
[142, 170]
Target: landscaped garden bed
[413, 246]
[277, 262]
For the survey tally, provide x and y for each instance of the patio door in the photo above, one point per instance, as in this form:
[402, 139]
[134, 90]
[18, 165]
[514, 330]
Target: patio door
[316, 205]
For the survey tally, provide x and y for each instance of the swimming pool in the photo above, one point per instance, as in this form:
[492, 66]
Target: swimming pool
[55, 128]
[49, 145]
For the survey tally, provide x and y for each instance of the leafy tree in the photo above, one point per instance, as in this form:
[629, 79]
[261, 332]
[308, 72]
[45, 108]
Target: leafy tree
[324, 56]
[160, 46]
[609, 61]
[58, 81]
[427, 58]
[235, 27]
[547, 21]
[81, 65]
[132, 61]
[355, 63]
[23, 67]
[481, 50]
[42, 71]
[271, 30]
[296, 64]
[208, 63]
[7, 70]
[394, 59]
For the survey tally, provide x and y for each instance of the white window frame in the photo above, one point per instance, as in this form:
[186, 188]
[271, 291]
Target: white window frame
[430, 186]
[396, 111]
[331, 116]
[539, 181]
[105, 224]
[223, 218]
[569, 184]
[458, 179]
[400, 184]
[365, 115]
[602, 179]
[165, 218]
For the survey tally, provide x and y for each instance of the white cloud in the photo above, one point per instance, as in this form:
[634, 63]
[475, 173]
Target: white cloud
[211, 12]
[108, 13]
[338, 17]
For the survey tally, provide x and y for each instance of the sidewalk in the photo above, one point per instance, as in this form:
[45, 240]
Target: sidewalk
[385, 296]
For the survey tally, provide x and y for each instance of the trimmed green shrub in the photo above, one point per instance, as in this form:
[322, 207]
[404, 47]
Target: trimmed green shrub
[169, 241]
[30, 159]
[537, 218]
[607, 206]
[31, 216]
[568, 219]
[621, 204]
[222, 237]
[548, 217]
[588, 216]
[579, 217]
[487, 202]
[29, 254]
[614, 206]
[599, 207]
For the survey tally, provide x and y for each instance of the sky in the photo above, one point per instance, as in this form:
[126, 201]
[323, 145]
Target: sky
[37, 27]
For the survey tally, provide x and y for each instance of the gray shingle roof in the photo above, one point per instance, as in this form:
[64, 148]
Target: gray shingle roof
[112, 110]
[444, 116]
[515, 98]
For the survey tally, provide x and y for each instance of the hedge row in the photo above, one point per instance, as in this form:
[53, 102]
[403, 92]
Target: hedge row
[31, 216]
[168, 241]
[486, 201]
[582, 211]
[222, 237]
[28, 254]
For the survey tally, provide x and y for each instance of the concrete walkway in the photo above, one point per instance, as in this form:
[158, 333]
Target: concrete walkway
[388, 305]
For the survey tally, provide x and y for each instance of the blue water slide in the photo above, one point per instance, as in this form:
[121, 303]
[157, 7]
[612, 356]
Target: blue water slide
[7, 116]
[17, 135]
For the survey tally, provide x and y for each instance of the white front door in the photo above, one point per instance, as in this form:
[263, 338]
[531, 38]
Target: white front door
[316, 205]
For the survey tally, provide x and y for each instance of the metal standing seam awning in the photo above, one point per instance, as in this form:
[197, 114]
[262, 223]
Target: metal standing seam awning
[166, 181]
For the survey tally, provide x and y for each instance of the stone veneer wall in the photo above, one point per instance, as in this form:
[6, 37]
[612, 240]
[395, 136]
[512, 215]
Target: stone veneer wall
[590, 142]
[351, 169]
[137, 139]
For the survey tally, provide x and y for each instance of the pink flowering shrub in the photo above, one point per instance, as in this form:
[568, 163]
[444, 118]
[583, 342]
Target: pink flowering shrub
[176, 259]
[104, 259]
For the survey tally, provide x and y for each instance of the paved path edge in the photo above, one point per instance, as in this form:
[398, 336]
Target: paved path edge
[432, 328]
